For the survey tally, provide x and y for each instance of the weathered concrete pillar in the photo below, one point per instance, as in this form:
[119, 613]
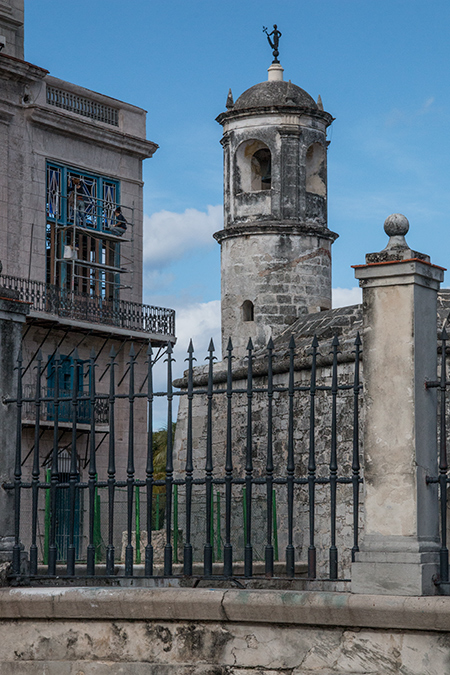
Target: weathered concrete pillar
[12, 316]
[399, 548]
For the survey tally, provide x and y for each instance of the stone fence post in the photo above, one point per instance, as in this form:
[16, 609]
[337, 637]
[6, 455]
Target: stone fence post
[399, 547]
[13, 313]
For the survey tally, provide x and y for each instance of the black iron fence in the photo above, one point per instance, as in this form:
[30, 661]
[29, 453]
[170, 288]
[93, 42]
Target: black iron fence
[51, 299]
[47, 408]
[266, 450]
[443, 479]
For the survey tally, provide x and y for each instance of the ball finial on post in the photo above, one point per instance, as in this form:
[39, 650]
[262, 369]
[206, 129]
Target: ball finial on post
[396, 225]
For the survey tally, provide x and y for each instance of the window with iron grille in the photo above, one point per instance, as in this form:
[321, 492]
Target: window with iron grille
[80, 207]
[68, 378]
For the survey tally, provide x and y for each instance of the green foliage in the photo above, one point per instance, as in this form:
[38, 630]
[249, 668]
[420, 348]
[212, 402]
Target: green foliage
[159, 473]
[160, 455]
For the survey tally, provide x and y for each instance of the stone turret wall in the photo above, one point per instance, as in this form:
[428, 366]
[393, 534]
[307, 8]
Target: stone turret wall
[276, 245]
[282, 275]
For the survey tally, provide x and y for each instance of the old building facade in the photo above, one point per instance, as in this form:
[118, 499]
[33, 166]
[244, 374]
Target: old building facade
[71, 223]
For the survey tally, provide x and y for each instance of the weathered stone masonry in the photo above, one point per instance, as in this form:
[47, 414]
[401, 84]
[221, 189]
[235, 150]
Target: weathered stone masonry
[275, 245]
[213, 632]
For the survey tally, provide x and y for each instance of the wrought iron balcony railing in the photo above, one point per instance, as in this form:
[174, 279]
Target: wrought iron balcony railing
[47, 406]
[50, 299]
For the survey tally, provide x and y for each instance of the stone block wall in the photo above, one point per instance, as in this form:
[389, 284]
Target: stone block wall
[211, 632]
[301, 439]
[283, 275]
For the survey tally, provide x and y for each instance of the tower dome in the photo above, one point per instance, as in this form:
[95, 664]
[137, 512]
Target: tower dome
[275, 93]
[275, 245]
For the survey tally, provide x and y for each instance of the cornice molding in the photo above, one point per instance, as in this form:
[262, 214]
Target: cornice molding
[65, 124]
[225, 117]
[12, 68]
[278, 227]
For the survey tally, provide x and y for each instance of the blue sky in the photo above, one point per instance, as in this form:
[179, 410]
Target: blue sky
[381, 67]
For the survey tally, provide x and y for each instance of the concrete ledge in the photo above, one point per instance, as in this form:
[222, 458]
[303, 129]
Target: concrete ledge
[238, 606]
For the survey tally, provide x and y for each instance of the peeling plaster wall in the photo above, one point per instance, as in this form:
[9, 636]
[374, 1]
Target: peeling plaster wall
[191, 648]
[220, 633]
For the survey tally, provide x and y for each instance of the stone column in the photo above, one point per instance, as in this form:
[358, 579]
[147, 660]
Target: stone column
[399, 548]
[12, 316]
[290, 174]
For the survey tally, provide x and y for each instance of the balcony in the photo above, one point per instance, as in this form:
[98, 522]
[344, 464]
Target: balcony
[46, 410]
[48, 299]
[82, 106]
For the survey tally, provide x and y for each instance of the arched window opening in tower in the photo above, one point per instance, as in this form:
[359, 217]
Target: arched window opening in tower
[315, 161]
[248, 310]
[261, 167]
[253, 167]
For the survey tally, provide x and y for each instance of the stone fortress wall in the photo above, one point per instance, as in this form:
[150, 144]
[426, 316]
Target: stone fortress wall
[345, 323]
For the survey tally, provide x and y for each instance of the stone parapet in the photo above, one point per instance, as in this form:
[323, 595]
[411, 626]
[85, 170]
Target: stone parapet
[307, 608]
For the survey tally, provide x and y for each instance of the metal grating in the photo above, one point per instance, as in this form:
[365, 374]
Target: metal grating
[82, 106]
[224, 509]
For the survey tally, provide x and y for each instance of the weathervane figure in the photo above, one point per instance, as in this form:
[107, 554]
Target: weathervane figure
[274, 43]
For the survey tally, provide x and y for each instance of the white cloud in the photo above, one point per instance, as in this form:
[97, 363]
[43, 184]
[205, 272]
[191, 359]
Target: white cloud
[397, 116]
[342, 297]
[168, 235]
[155, 280]
[199, 322]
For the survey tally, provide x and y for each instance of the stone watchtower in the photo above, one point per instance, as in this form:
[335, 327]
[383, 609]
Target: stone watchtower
[276, 246]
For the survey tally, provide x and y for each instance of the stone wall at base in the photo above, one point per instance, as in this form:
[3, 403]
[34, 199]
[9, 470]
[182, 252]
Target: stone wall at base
[92, 631]
[187, 648]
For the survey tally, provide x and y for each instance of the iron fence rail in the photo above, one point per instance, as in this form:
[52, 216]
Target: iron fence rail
[263, 471]
[443, 479]
[50, 299]
[65, 406]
